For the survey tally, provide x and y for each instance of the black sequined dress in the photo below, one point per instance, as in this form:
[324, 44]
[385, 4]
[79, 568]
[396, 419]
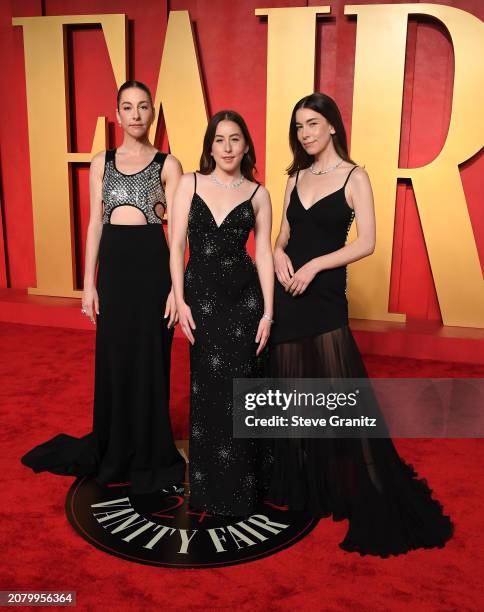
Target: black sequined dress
[131, 439]
[223, 291]
[390, 510]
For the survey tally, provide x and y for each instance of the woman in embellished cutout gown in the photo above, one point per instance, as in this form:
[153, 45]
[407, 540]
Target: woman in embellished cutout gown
[131, 439]
[390, 510]
[225, 310]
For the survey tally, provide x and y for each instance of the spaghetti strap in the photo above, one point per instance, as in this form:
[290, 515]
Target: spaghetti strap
[255, 191]
[195, 177]
[297, 176]
[348, 176]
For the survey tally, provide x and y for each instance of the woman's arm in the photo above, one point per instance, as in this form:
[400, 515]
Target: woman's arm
[170, 176]
[360, 195]
[180, 212]
[263, 262]
[90, 300]
[282, 264]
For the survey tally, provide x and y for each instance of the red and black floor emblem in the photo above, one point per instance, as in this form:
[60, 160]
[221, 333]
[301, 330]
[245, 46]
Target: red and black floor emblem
[170, 534]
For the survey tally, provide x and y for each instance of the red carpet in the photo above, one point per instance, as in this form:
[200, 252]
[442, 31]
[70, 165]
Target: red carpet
[46, 388]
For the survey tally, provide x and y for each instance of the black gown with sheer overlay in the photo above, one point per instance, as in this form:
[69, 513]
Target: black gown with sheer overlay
[227, 474]
[390, 510]
[131, 438]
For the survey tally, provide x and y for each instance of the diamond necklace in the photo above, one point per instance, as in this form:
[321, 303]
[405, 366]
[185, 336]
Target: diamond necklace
[233, 185]
[318, 172]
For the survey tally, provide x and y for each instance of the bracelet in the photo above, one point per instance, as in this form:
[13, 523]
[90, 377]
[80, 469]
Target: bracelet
[268, 317]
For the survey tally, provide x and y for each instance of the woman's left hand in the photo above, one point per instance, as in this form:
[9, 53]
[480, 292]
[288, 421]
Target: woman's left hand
[263, 333]
[171, 312]
[301, 279]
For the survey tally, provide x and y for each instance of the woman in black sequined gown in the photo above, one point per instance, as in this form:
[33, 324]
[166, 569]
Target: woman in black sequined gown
[131, 439]
[364, 480]
[225, 310]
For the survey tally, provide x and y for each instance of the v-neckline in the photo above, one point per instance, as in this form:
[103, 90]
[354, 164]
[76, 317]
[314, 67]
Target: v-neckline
[317, 201]
[211, 213]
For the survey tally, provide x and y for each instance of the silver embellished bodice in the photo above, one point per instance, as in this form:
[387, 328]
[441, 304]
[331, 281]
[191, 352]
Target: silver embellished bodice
[143, 189]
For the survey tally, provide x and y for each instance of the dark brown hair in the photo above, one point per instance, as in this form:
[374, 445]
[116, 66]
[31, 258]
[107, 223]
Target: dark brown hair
[138, 85]
[207, 163]
[326, 106]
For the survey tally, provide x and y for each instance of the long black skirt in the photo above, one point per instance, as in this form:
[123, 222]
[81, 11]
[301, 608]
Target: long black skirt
[390, 510]
[131, 438]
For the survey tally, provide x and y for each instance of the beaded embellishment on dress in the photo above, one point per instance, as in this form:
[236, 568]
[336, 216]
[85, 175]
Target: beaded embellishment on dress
[143, 189]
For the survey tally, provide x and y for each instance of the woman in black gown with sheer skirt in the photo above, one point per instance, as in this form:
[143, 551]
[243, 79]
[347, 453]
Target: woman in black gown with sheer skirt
[131, 440]
[390, 510]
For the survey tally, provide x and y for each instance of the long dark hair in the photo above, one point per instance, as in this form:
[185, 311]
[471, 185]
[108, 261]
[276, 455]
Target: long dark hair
[326, 106]
[207, 163]
[138, 85]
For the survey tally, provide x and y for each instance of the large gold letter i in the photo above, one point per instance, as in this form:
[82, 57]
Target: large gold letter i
[291, 50]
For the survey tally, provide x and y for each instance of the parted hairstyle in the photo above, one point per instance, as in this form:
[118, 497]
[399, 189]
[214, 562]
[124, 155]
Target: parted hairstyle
[326, 106]
[207, 163]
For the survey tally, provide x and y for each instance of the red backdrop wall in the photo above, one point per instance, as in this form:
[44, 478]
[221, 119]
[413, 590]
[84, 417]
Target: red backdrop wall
[232, 44]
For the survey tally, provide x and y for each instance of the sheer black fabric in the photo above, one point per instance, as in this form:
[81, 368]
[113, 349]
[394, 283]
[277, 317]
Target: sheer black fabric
[390, 510]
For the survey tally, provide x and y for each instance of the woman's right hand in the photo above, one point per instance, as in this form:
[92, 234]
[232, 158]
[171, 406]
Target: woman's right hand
[90, 303]
[283, 267]
[186, 321]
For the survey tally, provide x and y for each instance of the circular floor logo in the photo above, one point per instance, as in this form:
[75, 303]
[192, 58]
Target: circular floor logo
[173, 535]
